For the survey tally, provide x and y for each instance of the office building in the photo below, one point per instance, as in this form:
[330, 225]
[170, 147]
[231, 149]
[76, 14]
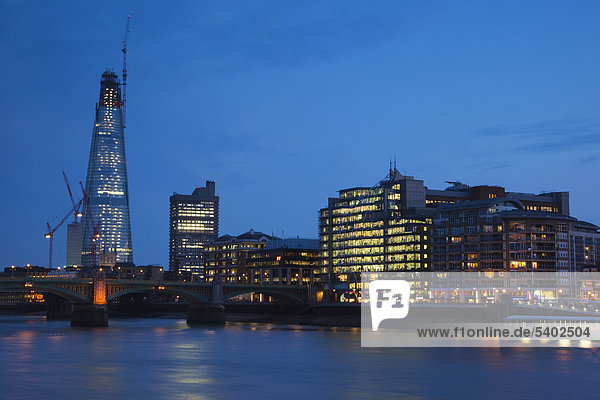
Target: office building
[377, 229]
[74, 244]
[194, 222]
[285, 262]
[227, 255]
[106, 183]
[402, 225]
[139, 272]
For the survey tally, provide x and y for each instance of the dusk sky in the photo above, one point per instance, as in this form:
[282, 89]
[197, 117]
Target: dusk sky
[283, 104]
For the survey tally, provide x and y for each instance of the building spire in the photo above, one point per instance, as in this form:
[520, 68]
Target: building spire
[124, 83]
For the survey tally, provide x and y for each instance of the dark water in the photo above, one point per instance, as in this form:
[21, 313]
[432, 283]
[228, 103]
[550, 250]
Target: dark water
[164, 359]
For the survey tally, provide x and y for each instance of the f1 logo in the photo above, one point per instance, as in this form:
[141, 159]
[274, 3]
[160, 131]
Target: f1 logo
[389, 300]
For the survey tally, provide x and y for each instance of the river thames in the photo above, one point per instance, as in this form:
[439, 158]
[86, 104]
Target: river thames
[165, 359]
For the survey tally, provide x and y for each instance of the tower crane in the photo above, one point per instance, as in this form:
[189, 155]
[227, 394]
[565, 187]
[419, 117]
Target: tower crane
[124, 84]
[76, 206]
[51, 230]
[95, 226]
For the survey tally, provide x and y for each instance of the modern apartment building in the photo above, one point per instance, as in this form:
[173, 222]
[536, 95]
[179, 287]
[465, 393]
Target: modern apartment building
[584, 246]
[499, 234]
[193, 223]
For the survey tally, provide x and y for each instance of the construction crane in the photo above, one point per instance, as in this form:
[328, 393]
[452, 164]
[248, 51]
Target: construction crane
[76, 206]
[124, 84]
[95, 226]
[50, 233]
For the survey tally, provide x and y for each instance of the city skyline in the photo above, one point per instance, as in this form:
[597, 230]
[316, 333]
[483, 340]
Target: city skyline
[291, 128]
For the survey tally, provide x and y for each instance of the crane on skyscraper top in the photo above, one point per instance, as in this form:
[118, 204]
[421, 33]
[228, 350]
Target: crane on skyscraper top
[124, 83]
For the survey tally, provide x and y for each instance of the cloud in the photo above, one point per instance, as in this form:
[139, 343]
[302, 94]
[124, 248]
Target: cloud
[549, 135]
[589, 159]
[241, 155]
[293, 34]
[490, 165]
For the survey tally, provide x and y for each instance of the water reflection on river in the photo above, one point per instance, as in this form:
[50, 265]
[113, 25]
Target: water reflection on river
[163, 358]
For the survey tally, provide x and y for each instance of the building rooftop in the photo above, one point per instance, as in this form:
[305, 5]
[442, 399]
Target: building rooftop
[535, 214]
[530, 196]
[457, 186]
[475, 204]
[307, 244]
[206, 192]
[448, 193]
[254, 235]
[585, 225]
[251, 235]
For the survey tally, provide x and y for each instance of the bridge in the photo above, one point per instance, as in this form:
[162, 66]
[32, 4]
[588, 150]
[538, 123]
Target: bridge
[85, 299]
[574, 306]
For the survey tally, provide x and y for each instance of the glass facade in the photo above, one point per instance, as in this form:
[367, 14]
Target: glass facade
[194, 222]
[369, 230]
[106, 183]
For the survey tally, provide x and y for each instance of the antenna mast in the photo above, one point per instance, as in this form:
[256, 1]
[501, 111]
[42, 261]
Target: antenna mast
[124, 84]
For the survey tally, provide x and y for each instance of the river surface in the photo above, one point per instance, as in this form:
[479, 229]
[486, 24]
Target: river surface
[165, 359]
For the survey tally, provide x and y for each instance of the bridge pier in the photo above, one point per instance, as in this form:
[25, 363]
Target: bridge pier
[57, 307]
[205, 314]
[89, 315]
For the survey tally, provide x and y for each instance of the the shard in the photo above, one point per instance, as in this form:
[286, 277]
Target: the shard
[106, 183]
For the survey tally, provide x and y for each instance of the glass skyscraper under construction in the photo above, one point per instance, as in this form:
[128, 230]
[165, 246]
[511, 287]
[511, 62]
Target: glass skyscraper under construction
[106, 183]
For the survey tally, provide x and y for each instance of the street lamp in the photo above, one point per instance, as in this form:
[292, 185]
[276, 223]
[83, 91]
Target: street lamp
[12, 271]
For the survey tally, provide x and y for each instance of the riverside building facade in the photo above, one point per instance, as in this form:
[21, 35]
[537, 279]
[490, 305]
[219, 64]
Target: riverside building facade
[378, 229]
[584, 246]
[510, 231]
[227, 256]
[401, 225]
[499, 234]
[106, 183]
[553, 202]
[193, 223]
[285, 262]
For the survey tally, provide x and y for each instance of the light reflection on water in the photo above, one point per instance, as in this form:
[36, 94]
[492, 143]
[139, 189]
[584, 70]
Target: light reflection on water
[164, 358]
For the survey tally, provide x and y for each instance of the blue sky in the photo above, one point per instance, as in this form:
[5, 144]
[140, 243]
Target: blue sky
[284, 103]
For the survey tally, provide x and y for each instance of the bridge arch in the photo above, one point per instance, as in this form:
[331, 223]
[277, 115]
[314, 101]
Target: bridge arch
[273, 292]
[191, 297]
[68, 294]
